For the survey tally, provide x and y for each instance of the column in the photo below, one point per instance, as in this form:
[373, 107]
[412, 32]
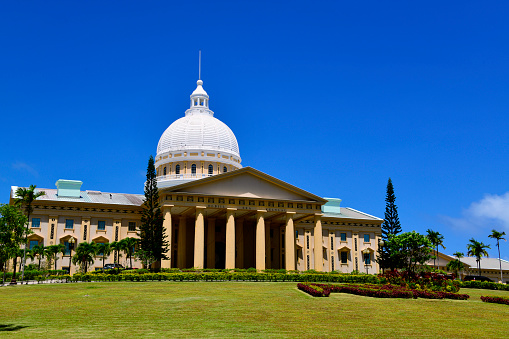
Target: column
[239, 243]
[167, 229]
[211, 243]
[260, 240]
[290, 242]
[230, 238]
[374, 262]
[318, 243]
[268, 263]
[181, 255]
[199, 238]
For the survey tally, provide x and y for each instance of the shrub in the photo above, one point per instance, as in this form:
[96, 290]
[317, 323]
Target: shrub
[488, 285]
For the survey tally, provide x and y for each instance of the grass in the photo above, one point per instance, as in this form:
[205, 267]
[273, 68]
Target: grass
[231, 309]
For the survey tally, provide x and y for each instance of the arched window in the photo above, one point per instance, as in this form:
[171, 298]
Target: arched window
[225, 169]
[164, 171]
[177, 169]
[211, 169]
[193, 169]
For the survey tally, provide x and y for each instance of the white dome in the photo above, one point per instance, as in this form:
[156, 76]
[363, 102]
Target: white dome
[198, 131]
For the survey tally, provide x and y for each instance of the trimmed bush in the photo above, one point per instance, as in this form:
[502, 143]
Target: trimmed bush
[487, 285]
[226, 276]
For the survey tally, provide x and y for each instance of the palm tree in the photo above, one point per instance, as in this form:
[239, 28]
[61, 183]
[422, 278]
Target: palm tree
[498, 236]
[459, 255]
[102, 249]
[436, 239]
[128, 245]
[477, 249]
[85, 255]
[53, 250]
[38, 251]
[116, 246]
[455, 266]
[25, 198]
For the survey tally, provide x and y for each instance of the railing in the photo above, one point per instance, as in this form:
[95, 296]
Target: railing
[182, 176]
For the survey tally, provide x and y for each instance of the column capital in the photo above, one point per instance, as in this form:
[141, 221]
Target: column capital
[290, 212]
[200, 207]
[231, 209]
[261, 211]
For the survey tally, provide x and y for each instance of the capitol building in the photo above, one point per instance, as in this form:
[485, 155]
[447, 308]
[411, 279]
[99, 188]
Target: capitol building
[217, 213]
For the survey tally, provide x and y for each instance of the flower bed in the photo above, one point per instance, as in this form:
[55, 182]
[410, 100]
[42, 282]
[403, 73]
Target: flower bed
[377, 291]
[422, 280]
[494, 299]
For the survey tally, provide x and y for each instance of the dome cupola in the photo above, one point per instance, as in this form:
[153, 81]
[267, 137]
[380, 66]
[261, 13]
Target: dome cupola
[196, 146]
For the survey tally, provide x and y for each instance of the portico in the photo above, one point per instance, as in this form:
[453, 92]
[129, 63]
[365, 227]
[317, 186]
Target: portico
[253, 230]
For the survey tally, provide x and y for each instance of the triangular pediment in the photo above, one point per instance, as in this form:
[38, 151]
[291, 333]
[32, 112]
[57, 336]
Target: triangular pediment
[245, 183]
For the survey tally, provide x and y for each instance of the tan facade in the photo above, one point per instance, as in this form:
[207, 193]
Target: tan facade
[56, 222]
[240, 219]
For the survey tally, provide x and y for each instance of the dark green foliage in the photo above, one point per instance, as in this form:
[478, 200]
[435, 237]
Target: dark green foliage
[25, 198]
[407, 250]
[487, 285]
[131, 275]
[12, 234]
[390, 226]
[152, 237]
[391, 223]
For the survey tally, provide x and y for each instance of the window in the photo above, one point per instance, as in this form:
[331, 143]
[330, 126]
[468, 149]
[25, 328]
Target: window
[67, 248]
[36, 222]
[69, 223]
[101, 225]
[225, 169]
[332, 244]
[366, 237]
[211, 170]
[296, 234]
[164, 171]
[344, 257]
[33, 243]
[367, 259]
[132, 226]
[343, 236]
[193, 169]
[177, 169]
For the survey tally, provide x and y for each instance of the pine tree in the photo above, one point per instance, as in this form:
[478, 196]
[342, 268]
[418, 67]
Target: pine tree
[391, 223]
[390, 226]
[152, 235]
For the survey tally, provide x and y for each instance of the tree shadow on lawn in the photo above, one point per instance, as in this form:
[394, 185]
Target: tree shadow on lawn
[10, 327]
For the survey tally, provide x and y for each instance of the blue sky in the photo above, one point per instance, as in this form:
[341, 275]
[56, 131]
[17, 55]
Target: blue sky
[333, 97]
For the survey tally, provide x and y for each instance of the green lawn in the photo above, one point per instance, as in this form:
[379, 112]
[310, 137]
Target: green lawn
[236, 309]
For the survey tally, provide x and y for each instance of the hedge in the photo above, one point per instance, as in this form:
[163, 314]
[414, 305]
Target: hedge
[487, 285]
[32, 274]
[226, 276]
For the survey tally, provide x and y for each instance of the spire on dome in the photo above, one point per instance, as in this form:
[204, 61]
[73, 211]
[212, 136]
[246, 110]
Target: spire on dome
[199, 98]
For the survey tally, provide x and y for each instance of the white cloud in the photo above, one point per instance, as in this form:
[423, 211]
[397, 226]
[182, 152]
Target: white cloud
[491, 212]
[18, 165]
